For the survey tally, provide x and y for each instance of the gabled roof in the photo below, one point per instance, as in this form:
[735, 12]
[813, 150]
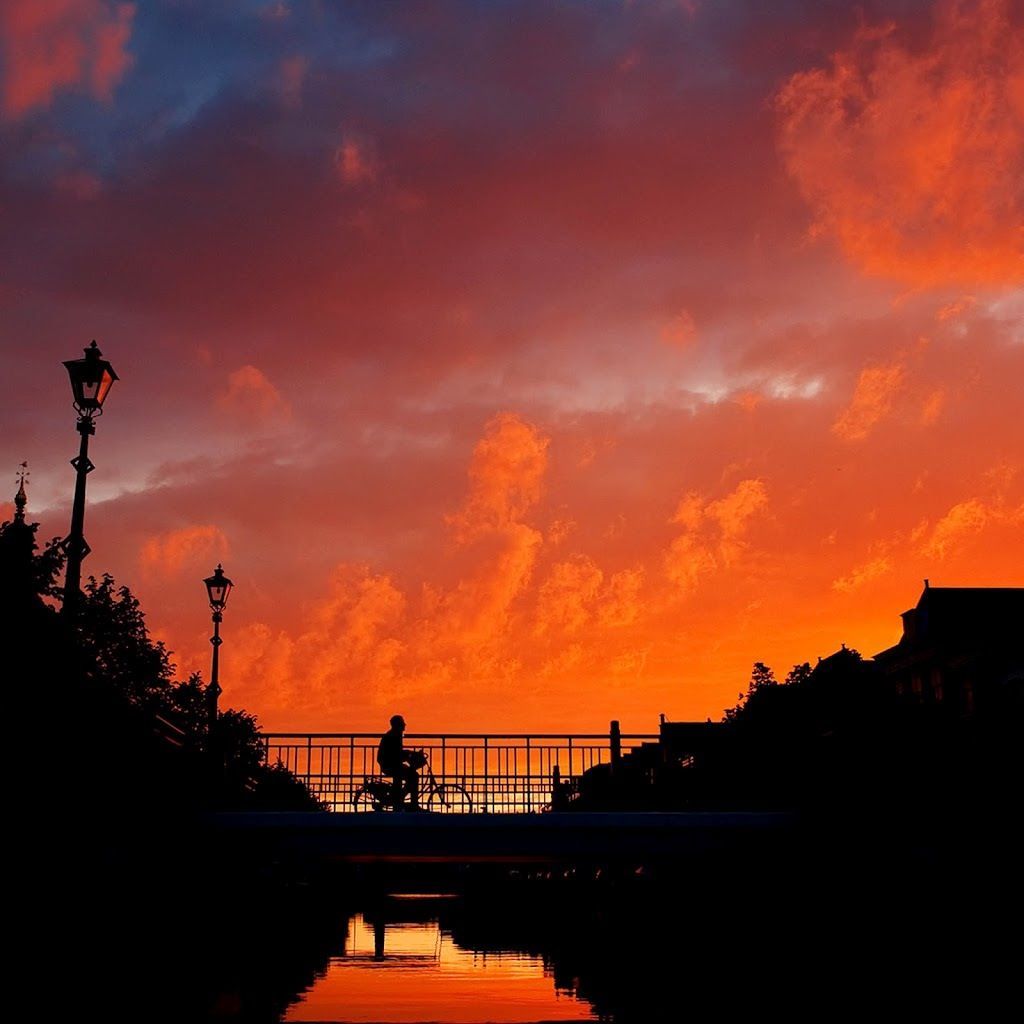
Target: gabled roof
[948, 615]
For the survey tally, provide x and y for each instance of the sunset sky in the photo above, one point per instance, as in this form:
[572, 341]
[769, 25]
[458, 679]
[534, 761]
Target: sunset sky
[527, 364]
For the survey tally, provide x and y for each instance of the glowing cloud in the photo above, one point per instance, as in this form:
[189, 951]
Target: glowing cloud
[72, 44]
[505, 476]
[873, 397]
[354, 161]
[194, 547]
[681, 331]
[933, 405]
[961, 523]
[620, 603]
[250, 394]
[912, 158]
[713, 536]
[862, 574]
[567, 597]
[727, 445]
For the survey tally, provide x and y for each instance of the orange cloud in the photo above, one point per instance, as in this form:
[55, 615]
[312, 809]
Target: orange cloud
[933, 405]
[250, 394]
[952, 310]
[873, 397]
[195, 547]
[505, 476]
[714, 532]
[69, 44]
[681, 331]
[961, 523]
[397, 642]
[687, 560]
[862, 574]
[482, 619]
[620, 603]
[505, 481]
[567, 597]
[536, 590]
[478, 609]
[355, 162]
[351, 632]
[733, 513]
[912, 158]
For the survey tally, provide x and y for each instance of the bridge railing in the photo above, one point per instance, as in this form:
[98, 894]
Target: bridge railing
[503, 773]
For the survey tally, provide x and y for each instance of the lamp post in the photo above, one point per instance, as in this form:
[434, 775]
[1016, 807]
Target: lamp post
[218, 586]
[91, 381]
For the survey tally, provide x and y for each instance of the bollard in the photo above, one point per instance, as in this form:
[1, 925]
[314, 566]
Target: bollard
[557, 793]
[616, 744]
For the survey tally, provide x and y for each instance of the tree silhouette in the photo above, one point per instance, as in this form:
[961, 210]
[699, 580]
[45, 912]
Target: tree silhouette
[761, 677]
[798, 674]
[119, 729]
[117, 648]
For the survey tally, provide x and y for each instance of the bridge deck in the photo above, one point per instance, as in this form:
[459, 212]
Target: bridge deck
[472, 838]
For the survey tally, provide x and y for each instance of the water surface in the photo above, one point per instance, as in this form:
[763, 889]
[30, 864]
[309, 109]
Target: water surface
[412, 971]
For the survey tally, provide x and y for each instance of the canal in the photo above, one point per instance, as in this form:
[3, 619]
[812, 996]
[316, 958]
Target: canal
[186, 934]
[401, 963]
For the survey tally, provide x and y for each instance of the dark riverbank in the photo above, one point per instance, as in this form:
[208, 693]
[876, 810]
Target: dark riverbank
[164, 924]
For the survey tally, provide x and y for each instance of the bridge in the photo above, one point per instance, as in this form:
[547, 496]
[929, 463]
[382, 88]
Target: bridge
[502, 773]
[626, 838]
[518, 785]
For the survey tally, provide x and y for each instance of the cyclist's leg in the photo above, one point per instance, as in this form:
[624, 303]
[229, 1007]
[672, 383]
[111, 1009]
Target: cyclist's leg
[396, 793]
[412, 784]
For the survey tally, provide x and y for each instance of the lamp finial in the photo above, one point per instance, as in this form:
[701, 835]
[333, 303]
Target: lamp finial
[21, 498]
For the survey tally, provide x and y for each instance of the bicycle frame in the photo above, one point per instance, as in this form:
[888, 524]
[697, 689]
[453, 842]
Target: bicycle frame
[381, 791]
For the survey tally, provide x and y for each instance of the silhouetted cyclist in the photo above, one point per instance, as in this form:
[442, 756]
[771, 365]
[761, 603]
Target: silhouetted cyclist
[400, 764]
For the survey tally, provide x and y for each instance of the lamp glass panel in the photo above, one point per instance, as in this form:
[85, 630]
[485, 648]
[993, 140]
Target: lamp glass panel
[103, 386]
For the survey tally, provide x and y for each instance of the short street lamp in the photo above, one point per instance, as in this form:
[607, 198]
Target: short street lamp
[91, 381]
[218, 586]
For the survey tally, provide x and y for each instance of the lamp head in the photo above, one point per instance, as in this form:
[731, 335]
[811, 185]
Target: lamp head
[218, 586]
[91, 381]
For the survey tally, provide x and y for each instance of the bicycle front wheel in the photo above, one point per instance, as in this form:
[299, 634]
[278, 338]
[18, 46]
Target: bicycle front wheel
[450, 798]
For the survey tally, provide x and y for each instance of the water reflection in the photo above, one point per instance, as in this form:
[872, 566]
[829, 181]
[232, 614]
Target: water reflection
[815, 936]
[400, 963]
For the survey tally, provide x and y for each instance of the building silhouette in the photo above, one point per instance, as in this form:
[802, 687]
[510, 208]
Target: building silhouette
[962, 650]
[934, 718]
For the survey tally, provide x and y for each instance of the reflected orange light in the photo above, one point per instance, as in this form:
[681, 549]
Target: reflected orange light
[425, 976]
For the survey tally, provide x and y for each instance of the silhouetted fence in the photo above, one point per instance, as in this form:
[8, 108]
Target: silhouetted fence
[503, 773]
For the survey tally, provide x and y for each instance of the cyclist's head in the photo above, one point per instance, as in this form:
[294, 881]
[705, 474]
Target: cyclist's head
[397, 722]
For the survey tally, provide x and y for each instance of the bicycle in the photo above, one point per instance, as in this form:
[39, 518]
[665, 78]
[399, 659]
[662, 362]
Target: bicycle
[377, 794]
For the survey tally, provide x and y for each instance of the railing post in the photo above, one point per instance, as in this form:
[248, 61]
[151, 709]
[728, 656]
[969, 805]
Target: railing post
[558, 801]
[486, 769]
[529, 779]
[616, 745]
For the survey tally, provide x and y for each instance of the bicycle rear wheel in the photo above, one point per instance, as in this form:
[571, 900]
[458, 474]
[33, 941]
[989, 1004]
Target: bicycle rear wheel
[365, 799]
[450, 798]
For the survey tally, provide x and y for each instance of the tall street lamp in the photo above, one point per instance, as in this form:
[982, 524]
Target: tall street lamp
[218, 586]
[91, 381]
